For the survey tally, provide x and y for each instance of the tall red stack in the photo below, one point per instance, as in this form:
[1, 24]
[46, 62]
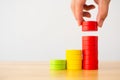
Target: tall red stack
[90, 48]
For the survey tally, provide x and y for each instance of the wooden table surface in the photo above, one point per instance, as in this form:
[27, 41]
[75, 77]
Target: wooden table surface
[40, 71]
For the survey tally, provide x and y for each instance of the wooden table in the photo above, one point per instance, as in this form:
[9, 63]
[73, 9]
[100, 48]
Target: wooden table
[40, 71]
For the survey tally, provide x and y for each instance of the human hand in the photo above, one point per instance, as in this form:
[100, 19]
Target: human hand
[80, 9]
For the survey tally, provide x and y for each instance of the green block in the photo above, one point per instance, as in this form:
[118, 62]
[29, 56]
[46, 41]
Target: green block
[57, 62]
[57, 66]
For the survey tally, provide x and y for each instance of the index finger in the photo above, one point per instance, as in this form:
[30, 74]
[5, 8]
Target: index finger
[79, 4]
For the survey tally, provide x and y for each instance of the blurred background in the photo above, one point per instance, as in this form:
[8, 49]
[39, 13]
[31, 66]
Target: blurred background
[40, 30]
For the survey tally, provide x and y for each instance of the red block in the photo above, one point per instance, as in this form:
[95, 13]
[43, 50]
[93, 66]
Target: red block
[89, 26]
[90, 38]
[90, 67]
[90, 42]
[90, 57]
[90, 61]
[90, 52]
[84, 62]
[90, 47]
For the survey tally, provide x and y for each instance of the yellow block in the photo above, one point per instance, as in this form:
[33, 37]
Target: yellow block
[73, 54]
[73, 57]
[74, 61]
[78, 52]
[73, 67]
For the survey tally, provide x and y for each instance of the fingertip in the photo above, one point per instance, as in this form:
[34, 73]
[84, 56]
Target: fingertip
[100, 23]
[79, 23]
[89, 7]
[100, 26]
[92, 6]
[86, 14]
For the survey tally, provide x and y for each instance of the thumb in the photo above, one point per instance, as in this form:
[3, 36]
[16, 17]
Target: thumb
[103, 6]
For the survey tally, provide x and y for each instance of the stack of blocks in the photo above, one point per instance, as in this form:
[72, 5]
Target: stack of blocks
[57, 64]
[74, 59]
[87, 58]
[90, 52]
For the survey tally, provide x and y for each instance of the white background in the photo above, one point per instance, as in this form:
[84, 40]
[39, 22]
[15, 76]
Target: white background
[35, 30]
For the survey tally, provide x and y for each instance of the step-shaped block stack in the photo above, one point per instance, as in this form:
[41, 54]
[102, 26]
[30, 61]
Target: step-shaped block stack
[87, 58]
